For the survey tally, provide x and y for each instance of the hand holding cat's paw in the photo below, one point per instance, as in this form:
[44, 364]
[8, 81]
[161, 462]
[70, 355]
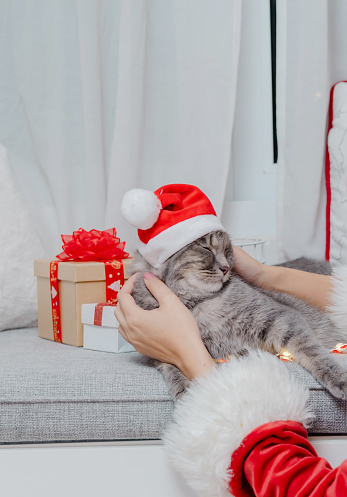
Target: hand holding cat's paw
[169, 333]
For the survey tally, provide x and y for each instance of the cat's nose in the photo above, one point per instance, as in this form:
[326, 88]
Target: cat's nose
[224, 270]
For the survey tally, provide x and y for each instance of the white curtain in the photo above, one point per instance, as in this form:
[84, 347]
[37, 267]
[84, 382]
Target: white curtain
[311, 57]
[97, 97]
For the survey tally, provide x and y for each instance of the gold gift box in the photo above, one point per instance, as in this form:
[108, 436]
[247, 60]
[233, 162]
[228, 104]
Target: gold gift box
[78, 283]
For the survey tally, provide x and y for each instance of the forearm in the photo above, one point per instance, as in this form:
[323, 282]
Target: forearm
[196, 363]
[316, 289]
[313, 288]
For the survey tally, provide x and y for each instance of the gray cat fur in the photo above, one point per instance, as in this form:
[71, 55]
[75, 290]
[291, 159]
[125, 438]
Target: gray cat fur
[308, 265]
[234, 315]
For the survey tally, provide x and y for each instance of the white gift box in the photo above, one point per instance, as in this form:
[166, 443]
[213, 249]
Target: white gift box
[100, 329]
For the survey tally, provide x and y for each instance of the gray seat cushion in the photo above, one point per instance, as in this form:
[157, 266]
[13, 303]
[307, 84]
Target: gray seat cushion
[330, 413]
[52, 392]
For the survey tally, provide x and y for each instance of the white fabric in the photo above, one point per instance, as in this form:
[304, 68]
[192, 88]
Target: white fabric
[101, 97]
[19, 246]
[311, 57]
[220, 410]
[159, 248]
[337, 144]
[59, 106]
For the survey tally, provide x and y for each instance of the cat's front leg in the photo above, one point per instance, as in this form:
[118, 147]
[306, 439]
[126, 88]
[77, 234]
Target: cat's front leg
[293, 332]
[323, 366]
[176, 381]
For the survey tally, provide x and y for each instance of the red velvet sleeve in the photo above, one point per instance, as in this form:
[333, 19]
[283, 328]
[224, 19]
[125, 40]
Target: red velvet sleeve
[277, 460]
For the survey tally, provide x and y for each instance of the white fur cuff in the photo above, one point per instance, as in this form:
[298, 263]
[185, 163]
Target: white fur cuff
[219, 410]
[338, 297]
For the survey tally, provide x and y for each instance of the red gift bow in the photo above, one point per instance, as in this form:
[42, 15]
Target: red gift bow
[93, 245]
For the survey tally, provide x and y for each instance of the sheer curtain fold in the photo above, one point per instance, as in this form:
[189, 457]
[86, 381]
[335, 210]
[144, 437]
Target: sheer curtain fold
[311, 57]
[100, 97]
[92, 72]
[52, 92]
[176, 99]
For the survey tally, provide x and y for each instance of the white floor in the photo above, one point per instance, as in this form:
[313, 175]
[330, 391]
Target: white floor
[108, 469]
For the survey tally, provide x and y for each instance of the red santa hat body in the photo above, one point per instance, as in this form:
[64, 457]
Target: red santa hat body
[168, 219]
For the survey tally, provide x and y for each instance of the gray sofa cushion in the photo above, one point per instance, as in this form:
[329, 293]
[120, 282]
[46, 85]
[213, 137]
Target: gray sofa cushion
[52, 392]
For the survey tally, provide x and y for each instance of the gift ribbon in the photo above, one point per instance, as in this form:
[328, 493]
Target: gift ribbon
[114, 272]
[99, 308]
[53, 267]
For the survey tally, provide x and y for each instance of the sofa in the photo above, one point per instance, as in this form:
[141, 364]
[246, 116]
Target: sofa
[56, 398]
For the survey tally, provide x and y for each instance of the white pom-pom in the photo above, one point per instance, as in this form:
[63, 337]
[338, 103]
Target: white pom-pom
[141, 208]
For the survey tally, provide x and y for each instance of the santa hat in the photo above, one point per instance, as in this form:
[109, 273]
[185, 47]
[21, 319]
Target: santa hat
[168, 219]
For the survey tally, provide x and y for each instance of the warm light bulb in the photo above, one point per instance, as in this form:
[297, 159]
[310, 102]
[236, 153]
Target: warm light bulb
[285, 356]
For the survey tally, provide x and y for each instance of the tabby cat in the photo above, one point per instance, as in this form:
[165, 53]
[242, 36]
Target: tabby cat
[234, 315]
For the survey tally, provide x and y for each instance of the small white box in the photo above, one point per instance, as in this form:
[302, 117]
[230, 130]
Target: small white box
[104, 339]
[100, 329]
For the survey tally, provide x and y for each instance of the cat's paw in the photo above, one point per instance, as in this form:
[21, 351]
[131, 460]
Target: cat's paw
[326, 368]
[142, 295]
[338, 386]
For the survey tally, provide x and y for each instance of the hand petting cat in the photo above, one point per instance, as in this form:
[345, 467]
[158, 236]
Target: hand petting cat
[313, 288]
[169, 333]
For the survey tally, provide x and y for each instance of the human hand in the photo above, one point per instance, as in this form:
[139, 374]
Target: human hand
[250, 269]
[168, 333]
[313, 288]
